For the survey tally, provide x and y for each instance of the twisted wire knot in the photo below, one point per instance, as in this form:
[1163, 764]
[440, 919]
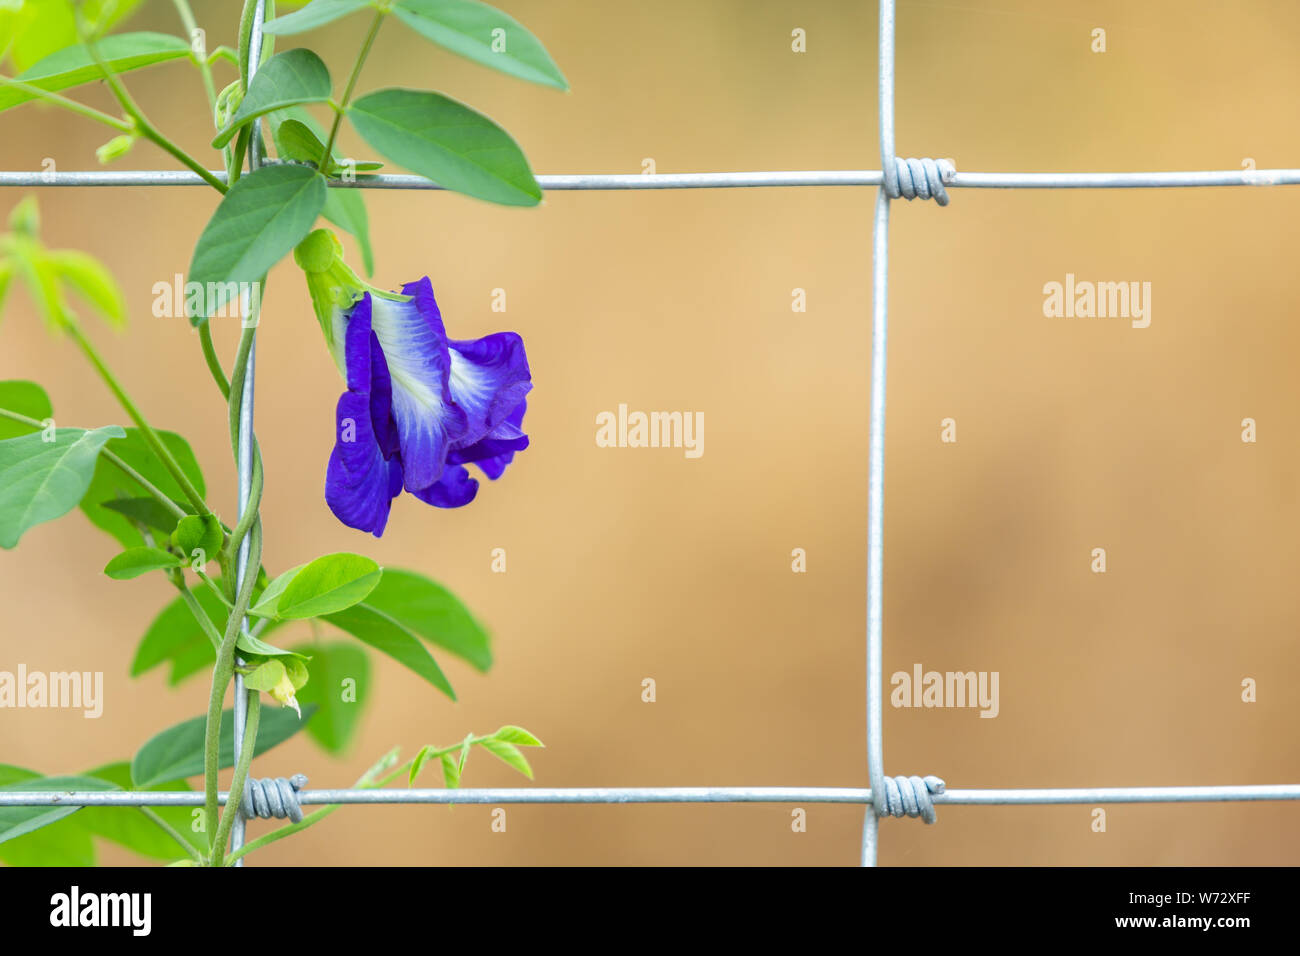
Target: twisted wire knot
[919, 179]
[267, 798]
[910, 796]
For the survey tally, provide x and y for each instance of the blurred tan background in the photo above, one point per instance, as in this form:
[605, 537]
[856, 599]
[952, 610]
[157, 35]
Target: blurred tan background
[634, 563]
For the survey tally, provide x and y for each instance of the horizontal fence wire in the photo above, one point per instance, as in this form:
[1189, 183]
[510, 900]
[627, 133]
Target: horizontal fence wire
[621, 181]
[622, 795]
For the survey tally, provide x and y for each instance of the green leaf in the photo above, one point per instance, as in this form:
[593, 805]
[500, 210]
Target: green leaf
[73, 66]
[92, 281]
[298, 137]
[175, 637]
[430, 610]
[15, 821]
[33, 31]
[134, 562]
[295, 140]
[330, 583]
[253, 645]
[450, 772]
[315, 14]
[130, 827]
[446, 141]
[62, 843]
[270, 596]
[511, 734]
[471, 30]
[199, 533]
[287, 79]
[509, 754]
[41, 481]
[37, 28]
[417, 764]
[383, 633]
[25, 398]
[258, 223]
[340, 706]
[111, 484]
[146, 511]
[177, 752]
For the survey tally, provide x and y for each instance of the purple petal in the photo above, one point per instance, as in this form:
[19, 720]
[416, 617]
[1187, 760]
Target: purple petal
[414, 344]
[489, 379]
[497, 450]
[454, 489]
[359, 479]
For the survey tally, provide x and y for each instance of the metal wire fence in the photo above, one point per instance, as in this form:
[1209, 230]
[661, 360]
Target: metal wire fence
[897, 796]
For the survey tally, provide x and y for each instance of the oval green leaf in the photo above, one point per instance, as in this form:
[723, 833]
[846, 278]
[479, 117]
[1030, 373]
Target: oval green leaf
[446, 141]
[134, 562]
[73, 65]
[315, 14]
[333, 663]
[328, 584]
[41, 481]
[287, 79]
[177, 752]
[431, 611]
[257, 224]
[373, 627]
[483, 34]
[509, 754]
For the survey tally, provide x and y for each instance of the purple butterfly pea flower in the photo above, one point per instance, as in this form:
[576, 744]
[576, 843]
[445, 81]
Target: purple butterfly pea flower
[419, 406]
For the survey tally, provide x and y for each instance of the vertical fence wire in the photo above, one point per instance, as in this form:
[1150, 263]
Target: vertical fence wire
[244, 443]
[876, 466]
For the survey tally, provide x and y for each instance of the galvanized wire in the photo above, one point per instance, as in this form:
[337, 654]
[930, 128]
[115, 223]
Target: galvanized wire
[625, 795]
[624, 181]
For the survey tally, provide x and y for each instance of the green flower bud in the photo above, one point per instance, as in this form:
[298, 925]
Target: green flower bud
[334, 287]
[115, 148]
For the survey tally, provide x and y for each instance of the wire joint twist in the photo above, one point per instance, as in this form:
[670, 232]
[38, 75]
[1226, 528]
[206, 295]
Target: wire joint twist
[266, 798]
[910, 796]
[918, 179]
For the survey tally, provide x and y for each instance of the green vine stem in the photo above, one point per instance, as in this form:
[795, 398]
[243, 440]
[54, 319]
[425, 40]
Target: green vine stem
[160, 450]
[222, 674]
[187, 21]
[171, 832]
[213, 361]
[81, 109]
[231, 811]
[342, 106]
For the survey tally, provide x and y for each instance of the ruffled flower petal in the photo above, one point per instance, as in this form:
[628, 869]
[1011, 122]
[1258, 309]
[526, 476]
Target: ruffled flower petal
[454, 489]
[414, 342]
[489, 379]
[359, 479]
[493, 453]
